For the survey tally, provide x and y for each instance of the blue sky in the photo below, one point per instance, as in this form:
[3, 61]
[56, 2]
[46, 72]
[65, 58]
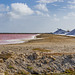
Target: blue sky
[36, 15]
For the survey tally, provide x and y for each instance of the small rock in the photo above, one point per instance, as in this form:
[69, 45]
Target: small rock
[43, 57]
[35, 72]
[70, 56]
[52, 58]
[1, 60]
[46, 61]
[6, 54]
[2, 74]
[38, 53]
[33, 56]
[23, 72]
[39, 64]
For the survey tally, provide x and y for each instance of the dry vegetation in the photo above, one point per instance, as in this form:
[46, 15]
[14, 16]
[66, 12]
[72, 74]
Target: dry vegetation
[42, 50]
[57, 44]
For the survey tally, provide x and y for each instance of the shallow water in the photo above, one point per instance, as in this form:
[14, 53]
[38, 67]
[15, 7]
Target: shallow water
[15, 38]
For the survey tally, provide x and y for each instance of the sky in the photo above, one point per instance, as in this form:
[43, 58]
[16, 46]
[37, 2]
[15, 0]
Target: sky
[35, 16]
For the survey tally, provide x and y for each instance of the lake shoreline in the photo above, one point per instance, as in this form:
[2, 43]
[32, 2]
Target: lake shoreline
[16, 41]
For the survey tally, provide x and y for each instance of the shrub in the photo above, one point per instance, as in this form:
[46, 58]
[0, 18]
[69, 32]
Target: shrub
[29, 67]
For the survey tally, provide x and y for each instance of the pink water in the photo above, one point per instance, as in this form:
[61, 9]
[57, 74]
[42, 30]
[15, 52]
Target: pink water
[14, 38]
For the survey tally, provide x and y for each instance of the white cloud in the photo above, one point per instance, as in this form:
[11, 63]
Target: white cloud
[64, 7]
[41, 7]
[13, 15]
[3, 8]
[42, 14]
[49, 1]
[55, 5]
[71, 2]
[1, 14]
[71, 6]
[39, 13]
[56, 19]
[54, 15]
[70, 15]
[19, 9]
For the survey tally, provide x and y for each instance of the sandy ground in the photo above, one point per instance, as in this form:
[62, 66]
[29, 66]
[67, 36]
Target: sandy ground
[54, 43]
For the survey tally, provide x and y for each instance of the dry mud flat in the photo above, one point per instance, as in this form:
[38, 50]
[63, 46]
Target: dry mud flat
[51, 55]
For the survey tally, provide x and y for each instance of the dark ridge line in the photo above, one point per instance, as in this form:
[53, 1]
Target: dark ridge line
[25, 33]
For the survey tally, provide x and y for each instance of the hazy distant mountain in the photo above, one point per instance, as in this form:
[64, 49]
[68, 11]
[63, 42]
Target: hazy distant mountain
[60, 31]
[71, 32]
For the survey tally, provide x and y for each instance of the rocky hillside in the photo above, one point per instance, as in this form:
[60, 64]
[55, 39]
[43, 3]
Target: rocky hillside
[36, 63]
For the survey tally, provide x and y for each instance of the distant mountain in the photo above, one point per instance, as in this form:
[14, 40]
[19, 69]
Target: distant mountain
[71, 32]
[60, 31]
